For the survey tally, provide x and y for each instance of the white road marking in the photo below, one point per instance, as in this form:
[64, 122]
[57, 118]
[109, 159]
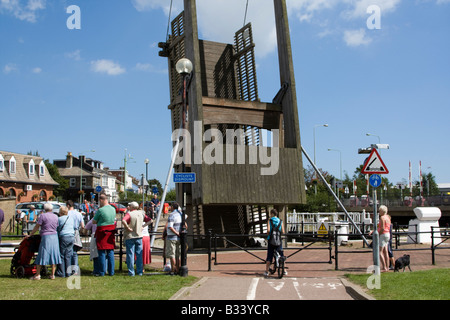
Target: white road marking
[297, 288]
[251, 294]
[276, 285]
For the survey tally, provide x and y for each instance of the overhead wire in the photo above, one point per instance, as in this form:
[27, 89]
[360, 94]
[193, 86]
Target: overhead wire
[246, 10]
[168, 22]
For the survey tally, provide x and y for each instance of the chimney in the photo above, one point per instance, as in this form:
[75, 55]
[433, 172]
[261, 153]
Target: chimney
[69, 160]
[82, 160]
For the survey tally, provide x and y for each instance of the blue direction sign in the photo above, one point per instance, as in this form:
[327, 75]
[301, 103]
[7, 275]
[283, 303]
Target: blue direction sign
[155, 190]
[98, 189]
[184, 177]
[375, 180]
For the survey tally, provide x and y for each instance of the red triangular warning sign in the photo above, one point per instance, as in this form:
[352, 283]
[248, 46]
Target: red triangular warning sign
[374, 164]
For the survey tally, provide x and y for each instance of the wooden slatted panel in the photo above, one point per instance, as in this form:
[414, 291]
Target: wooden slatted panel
[246, 66]
[176, 53]
[218, 70]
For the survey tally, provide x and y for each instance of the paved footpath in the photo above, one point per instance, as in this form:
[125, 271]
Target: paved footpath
[248, 288]
[239, 275]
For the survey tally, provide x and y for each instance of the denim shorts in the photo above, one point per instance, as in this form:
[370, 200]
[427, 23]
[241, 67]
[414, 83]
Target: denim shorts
[270, 251]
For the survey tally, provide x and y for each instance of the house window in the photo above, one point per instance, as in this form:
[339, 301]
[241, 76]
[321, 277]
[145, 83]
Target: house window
[12, 165]
[12, 192]
[31, 168]
[73, 182]
[2, 163]
[42, 169]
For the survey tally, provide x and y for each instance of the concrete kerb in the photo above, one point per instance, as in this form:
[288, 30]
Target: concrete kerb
[355, 291]
[186, 290]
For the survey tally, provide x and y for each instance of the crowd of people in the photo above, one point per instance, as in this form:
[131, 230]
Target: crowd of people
[60, 237]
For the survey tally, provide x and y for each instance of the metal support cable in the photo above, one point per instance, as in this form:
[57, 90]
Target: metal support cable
[335, 197]
[245, 16]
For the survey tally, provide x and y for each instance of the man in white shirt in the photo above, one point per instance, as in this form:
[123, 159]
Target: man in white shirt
[78, 223]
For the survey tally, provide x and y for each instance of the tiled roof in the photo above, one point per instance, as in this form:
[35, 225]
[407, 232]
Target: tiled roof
[74, 172]
[22, 174]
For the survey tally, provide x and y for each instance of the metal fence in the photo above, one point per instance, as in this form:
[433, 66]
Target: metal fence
[213, 248]
[439, 236]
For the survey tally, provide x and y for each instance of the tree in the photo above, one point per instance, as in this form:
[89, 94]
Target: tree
[318, 198]
[63, 184]
[155, 182]
[171, 195]
[429, 185]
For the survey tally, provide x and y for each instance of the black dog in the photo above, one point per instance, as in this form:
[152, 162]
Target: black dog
[402, 262]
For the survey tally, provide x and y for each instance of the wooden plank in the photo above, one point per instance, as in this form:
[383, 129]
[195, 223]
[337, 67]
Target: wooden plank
[244, 184]
[216, 115]
[240, 104]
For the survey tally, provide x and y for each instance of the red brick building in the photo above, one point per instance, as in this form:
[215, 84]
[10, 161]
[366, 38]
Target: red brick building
[25, 177]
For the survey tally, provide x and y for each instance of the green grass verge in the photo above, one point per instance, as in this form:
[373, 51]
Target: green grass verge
[417, 285]
[118, 287]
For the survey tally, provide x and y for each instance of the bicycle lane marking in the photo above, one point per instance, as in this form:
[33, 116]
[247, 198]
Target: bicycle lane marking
[284, 289]
[276, 285]
[251, 294]
[297, 288]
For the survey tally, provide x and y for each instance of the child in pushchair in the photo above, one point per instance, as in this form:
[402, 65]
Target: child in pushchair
[21, 265]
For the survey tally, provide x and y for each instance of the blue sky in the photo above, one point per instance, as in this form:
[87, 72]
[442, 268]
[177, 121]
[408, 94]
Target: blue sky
[104, 87]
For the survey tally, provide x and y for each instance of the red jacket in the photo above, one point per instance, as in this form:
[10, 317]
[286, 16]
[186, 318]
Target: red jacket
[105, 236]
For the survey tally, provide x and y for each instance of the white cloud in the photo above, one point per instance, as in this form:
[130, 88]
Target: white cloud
[355, 38]
[10, 67]
[107, 66]
[23, 10]
[76, 55]
[37, 70]
[358, 8]
[148, 67]
[148, 5]
[34, 5]
[310, 5]
[442, 1]
[144, 67]
[340, 16]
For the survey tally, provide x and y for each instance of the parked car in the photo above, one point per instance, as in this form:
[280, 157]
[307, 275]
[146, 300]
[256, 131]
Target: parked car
[39, 206]
[120, 208]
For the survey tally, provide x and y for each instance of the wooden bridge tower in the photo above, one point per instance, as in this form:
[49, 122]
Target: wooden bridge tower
[234, 193]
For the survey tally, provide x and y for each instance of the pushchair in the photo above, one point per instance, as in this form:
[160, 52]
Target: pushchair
[21, 265]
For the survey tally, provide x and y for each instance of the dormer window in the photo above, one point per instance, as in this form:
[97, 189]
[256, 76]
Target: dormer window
[31, 168]
[12, 165]
[41, 169]
[2, 163]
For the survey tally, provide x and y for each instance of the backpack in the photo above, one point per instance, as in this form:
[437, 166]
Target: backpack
[275, 234]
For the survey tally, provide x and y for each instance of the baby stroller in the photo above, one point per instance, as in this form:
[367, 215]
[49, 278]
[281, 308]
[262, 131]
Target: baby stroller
[21, 265]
